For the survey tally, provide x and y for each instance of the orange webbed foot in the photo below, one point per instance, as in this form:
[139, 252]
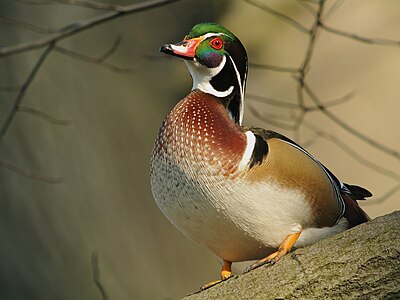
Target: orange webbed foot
[283, 249]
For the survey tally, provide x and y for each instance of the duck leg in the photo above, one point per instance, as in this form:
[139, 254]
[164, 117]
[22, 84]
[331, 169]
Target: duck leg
[226, 272]
[283, 249]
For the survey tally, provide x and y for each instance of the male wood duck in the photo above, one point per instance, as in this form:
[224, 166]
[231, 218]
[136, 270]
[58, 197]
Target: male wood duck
[245, 193]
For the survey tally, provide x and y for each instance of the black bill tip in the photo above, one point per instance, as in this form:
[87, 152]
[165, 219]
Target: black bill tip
[166, 48]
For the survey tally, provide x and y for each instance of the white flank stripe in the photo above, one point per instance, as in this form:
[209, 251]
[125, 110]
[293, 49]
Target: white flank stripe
[248, 152]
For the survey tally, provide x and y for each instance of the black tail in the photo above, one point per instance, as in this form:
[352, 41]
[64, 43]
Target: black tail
[353, 212]
[357, 192]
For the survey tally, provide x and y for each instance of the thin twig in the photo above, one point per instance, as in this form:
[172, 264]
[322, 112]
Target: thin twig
[22, 91]
[280, 15]
[96, 275]
[291, 105]
[274, 68]
[28, 173]
[313, 1]
[339, 100]
[92, 60]
[42, 115]
[271, 101]
[112, 49]
[335, 6]
[359, 38]
[308, 7]
[35, 2]
[80, 26]
[327, 104]
[28, 26]
[93, 5]
[268, 118]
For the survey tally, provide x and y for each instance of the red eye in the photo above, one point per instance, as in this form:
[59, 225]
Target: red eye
[217, 43]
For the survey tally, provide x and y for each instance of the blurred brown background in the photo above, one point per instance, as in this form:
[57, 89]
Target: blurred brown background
[74, 163]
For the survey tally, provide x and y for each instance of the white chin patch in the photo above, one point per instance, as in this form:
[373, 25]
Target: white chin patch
[202, 76]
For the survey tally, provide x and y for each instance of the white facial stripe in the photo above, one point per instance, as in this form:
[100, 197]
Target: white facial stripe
[211, 34]
[202, 76]
[248, 152]
[241, 90]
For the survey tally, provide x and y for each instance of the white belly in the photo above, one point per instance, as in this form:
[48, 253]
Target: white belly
[234, 220]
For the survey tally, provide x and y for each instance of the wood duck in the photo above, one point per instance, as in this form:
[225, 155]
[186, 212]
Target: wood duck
[245, 193]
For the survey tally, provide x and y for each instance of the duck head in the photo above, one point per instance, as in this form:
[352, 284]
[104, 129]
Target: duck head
[217, 62]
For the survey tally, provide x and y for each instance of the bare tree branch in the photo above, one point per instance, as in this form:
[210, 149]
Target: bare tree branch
[96, 275]
[280, 15]
[22, 91]
[80, 26]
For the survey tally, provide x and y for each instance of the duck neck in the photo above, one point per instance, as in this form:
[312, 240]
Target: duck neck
[200, 129]
[224, 82]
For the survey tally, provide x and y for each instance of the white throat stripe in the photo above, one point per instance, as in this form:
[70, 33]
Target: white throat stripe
[202, 76]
